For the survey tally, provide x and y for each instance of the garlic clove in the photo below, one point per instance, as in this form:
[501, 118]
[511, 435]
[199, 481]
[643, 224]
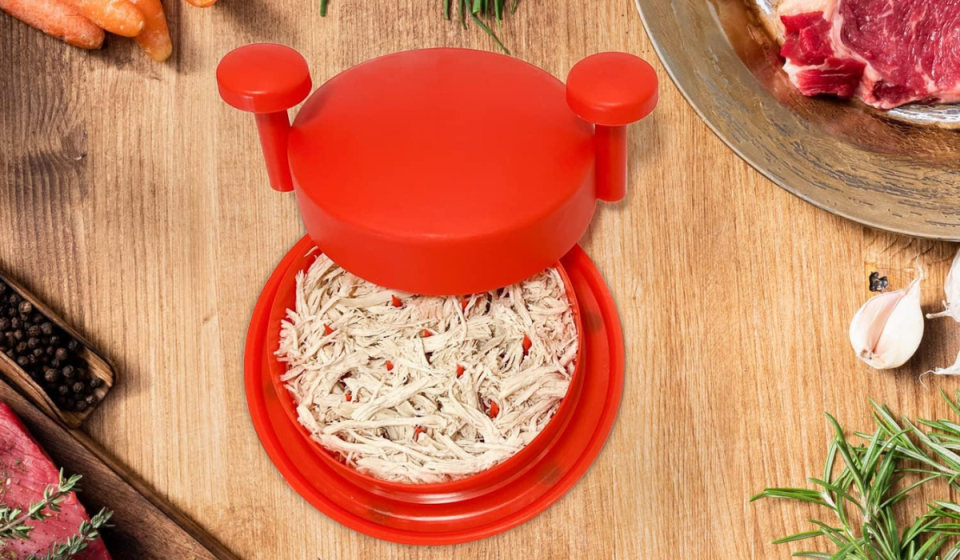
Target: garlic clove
[951, 292]
[887, 329]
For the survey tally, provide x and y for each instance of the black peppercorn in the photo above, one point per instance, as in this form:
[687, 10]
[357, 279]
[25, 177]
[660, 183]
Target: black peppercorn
[32, 360]
[11, 312]
[81, 406]
[18, 334]
[15, 323]
[4, 323]
[78, 387]
[63, 389]
[73, 345]
[51, 375]
[34, 331]
[37, 352]
[69, 372]
[21, 348]
[37, 318]
[3, 288]
[14, 299]
[22, 361]
[33, 342]
[25, 308]
[91, 399]
[61, 354]
[46, 328]
[54, 340]
[54, 363]
[95, 382]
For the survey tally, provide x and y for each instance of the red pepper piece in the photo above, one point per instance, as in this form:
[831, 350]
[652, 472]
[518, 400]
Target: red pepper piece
[527, 343]
[327, 331]
[494, 409]
[349, 396]
[389, 365]
[460, 370]
[426, 333]
[395, 301]
[417, 432]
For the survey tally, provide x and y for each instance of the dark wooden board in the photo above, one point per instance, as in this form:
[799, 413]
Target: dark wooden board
[144, 526]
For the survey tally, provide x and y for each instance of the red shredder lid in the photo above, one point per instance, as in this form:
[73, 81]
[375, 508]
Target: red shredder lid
[444, 171]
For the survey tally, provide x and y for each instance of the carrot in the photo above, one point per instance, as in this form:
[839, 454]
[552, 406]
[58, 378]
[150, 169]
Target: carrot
[202, 3]
[155, 37]
[116, 16]
[58, 19]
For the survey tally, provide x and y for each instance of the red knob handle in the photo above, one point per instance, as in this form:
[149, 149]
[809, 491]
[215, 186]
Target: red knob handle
[267, 79]
[612, 90]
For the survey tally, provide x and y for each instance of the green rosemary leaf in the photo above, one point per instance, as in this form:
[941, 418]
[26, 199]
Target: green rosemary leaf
[799, 537]
[446, 9]
[514, 10]
[323, 8]
[801, 494]
[819, 555]
[489, 32]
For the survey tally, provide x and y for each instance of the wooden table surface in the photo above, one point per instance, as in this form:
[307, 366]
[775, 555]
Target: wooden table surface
[134, 201]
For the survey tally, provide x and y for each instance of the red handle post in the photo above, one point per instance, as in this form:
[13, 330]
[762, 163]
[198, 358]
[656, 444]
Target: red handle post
[267, 79]
[611, 91]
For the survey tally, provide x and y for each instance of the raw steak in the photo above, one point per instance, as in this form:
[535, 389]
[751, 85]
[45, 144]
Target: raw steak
[25, 471]
[886, 52]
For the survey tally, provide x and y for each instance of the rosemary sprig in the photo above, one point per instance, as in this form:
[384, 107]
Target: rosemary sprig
[477, 9]
[13, 521]
[863, 482]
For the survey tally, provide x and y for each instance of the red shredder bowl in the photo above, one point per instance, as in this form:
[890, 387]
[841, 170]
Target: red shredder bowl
[460, 489]
[383, 160]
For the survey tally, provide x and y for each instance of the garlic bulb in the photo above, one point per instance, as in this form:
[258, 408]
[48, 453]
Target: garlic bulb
[887, 330]
[951, 290]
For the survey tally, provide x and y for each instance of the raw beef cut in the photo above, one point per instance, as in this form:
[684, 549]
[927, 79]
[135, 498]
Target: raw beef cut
[886, 52]
[25, 471]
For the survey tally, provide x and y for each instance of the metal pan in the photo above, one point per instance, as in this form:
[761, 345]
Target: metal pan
[875, 168]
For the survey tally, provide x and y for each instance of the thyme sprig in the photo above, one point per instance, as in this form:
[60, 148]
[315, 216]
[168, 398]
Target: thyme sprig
[13, 521]
[863, 482]
[88, 532]
[477, 10]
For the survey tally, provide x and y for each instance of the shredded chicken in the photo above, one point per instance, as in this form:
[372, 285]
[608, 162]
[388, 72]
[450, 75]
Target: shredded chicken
[422, 389]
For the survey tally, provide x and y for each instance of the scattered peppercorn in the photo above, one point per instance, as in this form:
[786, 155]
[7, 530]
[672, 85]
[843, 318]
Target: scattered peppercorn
[878, 283]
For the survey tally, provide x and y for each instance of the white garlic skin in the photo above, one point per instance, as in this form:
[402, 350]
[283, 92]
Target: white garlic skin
[887, 330]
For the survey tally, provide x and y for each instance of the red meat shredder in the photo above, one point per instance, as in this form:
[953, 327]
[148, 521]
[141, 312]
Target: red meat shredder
[443, 172]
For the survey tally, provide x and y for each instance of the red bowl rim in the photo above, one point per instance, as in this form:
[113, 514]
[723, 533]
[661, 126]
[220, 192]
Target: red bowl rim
[476, 484]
